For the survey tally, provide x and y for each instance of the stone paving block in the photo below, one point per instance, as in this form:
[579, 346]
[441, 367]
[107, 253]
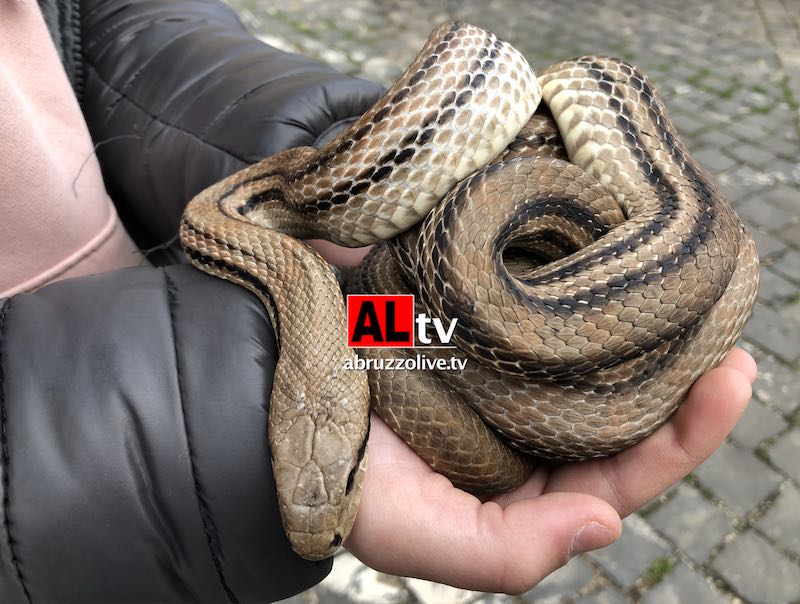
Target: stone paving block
[767, 328]
[687, 124]
[731, 109]
[683, 586]
[744, 181]
[768, 245]
[722, 474]
[782, 520]
[630, 556]
[774, 288]
[350, 582]
[791, 312]
[765, 215]
[494, 599]
[767, 121]
[783, 170]
[784, 195]
[785, 453]
[758, 423]
[788, 264]
[656, 502]
[428, 592]
[777, 385]
[566, 581]
[744, 131]
[785, 148]
[715, 140]
[716, 82]
[751, 155]
[692, 522]
[790, 234]
[323, 595]
[714, 160]
[607, 596]
[758, 571]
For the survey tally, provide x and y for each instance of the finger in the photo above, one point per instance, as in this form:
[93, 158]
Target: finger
[338, 255]
[633, 477]
[741, 361]
[533, 487]
[737, 359]
[423, 527]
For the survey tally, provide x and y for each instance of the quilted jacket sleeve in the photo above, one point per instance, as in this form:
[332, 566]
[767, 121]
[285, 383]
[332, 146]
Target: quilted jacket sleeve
[179, 95]
[135, 461]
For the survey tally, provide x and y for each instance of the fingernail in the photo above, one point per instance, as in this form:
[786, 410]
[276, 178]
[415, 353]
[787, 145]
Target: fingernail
[590, 536]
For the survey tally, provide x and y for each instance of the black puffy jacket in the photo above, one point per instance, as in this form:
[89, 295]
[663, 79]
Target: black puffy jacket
[133, 405]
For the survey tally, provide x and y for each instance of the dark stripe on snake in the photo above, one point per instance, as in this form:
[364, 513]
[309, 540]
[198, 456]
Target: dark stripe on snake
[601, 293]
[427, 135]
[380, 115]
[404, 155]
[459, 99]
[416, 78]
[362, 449]
[448, 99]
[359, 188]
[274, 194]
[556, 206]
[430, 118]
[251, 280]
[400, 96]
[409, 138]
[658, 181]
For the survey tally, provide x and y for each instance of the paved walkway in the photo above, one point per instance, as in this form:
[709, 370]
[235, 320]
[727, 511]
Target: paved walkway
[729, 71]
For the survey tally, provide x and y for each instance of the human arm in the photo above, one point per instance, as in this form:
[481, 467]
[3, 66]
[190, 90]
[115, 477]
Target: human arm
[135, 462]
[184, 96]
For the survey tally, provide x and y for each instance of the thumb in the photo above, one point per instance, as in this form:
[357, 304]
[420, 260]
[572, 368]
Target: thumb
[529, 539]
[434, 531]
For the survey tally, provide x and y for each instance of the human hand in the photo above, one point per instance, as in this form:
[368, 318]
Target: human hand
[413, 522]
[338, 255]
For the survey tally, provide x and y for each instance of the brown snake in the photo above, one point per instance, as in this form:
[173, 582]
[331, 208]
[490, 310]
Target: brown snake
[589, 293]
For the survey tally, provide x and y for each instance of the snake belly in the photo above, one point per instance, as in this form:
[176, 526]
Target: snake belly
[457, 107]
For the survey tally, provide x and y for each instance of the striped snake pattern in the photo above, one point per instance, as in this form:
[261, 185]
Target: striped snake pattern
[594, 269]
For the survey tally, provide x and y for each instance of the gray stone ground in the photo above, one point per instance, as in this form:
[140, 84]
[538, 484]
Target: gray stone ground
[729, 71]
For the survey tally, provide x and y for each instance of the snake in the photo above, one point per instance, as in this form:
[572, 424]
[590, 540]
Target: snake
[590, 266]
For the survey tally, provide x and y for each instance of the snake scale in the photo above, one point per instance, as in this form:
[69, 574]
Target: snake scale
[594, 269]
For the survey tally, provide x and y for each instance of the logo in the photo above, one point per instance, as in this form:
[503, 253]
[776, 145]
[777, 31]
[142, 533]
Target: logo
[388, 320]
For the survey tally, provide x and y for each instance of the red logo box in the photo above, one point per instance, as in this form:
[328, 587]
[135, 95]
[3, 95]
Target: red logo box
[379, 321]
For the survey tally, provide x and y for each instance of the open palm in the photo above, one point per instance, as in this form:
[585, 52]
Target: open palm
[413, 522]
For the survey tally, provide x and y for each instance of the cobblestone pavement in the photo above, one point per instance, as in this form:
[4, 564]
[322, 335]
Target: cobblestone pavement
[729, 71]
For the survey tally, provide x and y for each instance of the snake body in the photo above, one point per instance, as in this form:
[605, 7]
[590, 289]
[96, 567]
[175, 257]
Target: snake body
[589, 294]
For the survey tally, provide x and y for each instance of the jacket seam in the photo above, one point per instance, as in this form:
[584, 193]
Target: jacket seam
[155, 56]
[106, 31]
[301, 71]
[159, 120]
[77, 53]
[205, 514]
[333, 126]
[15, 562]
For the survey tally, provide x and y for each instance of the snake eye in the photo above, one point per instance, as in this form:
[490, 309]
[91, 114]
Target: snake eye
[351, 478]
[337, 540]
[350, 481]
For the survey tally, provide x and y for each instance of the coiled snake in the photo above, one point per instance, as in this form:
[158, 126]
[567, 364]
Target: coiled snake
[589, 293]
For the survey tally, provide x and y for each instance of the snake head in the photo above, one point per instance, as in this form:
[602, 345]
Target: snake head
[319, 469]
